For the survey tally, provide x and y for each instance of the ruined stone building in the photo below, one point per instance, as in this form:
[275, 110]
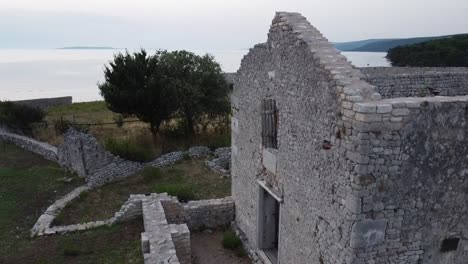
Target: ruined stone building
[335, 164]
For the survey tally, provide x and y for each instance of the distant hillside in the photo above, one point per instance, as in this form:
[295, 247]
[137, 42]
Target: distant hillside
[382, 45]
[348, 46]
[86, 47]
[447, 52]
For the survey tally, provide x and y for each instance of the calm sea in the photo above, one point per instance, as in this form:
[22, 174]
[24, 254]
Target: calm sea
[29, 74]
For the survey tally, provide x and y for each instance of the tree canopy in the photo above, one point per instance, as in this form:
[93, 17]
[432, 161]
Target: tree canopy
[448, 52]
[156, 88]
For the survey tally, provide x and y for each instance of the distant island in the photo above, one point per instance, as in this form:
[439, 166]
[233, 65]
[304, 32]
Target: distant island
[87, 47]
[384, 45]
[447, 52]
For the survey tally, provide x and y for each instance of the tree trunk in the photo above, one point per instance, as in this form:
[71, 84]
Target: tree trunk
[157, 142]
[190, 124]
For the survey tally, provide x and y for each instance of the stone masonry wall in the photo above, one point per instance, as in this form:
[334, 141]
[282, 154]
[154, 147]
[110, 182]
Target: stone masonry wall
[412, 180]
[45, 103]
[362, 180]
[306, 76]
[393, 82]
[200, 214]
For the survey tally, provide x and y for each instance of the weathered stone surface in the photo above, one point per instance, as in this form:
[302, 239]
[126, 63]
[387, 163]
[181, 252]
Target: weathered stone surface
[368, 233]
[363, 179]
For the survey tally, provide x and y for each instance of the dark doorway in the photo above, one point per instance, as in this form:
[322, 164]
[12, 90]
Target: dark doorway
[269, 213]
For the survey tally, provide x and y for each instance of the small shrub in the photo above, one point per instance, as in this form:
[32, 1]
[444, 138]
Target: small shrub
[125, 149]
[119, 121]
[61, 126]
[232, 242]
[151, 173]
[183, 192]
[20, 117]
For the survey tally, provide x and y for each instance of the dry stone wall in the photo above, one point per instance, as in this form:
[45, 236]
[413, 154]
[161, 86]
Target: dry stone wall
[43, 149]
[201, 214]
[45, 103]
[393, 82]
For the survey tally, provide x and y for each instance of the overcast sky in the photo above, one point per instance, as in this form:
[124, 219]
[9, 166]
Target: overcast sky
[215, 24]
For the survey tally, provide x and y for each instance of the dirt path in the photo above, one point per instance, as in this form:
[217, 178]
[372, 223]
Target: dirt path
[207, 249]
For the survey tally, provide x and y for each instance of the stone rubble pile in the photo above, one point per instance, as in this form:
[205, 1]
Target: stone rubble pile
[222, 161]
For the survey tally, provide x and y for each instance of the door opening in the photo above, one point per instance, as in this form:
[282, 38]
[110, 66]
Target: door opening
[269, 214]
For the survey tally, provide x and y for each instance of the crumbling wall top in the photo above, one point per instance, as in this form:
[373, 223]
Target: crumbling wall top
[349, 80]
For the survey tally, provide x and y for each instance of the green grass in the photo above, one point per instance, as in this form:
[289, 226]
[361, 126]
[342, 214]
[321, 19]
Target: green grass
[28, 185]
[126, 149]
[188, 176]
[184, 192]
[77, 108]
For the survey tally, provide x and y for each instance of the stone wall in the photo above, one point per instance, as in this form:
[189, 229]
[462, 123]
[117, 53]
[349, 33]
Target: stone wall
[43, 149]
[45, 103]
[412, 180]
[201, 214]
[302, 71]
[361, 179]
[82, 153]
[392, 82]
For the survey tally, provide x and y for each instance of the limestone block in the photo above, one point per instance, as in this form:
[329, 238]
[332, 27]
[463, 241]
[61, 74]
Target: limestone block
[367, 233]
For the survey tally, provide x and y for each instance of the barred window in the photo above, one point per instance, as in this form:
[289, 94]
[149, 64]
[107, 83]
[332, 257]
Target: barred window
[269, 124]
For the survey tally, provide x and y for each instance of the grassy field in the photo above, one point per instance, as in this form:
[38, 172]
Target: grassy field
[188, 176]
[28, 185]
[136, 132]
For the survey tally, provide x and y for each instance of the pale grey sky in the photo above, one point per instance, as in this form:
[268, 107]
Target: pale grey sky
[215, 24]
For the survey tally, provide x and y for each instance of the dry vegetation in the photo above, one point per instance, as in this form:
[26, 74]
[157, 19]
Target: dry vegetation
[213, 134]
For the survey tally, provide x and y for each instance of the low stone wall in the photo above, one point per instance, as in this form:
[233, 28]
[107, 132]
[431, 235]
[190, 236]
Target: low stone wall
[180, 235]
[200, 214]
[83, 154]
[45, 150]
[43, 224]
[393, 82]
[44, 103]
[157, 241]
[167, 222]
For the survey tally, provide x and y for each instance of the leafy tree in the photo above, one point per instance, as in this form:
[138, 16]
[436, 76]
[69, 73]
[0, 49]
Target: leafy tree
[134, 85]
[156, 88]
[199, 84]
[447, 52]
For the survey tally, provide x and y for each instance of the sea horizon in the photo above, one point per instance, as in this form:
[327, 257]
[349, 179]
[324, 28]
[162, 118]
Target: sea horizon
[47, 73]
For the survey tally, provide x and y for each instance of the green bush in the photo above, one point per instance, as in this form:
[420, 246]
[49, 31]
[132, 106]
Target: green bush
[21, 117]
[183, 192]
[232, 242]
[127, 150]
